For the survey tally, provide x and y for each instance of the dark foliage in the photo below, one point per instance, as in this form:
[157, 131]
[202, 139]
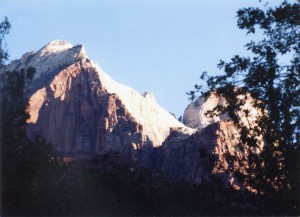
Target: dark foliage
[35, 181]
[124, 190]
[4, 30]
[271, 78]
[29, 170]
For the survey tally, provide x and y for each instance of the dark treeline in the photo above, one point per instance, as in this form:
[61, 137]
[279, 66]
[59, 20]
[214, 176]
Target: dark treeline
[35, 181]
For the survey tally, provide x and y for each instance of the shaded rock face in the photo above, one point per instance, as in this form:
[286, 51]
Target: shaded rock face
[198, 156]
[83, 112]
[76, 114]
[48, 61]
[195, 158]
[187, 157]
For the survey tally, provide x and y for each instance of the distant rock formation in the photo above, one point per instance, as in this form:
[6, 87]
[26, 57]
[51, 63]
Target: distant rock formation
[198, 156]
[195, 114]
[84, 113]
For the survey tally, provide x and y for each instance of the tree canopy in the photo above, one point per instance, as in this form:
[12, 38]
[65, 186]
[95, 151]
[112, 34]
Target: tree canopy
[271, 76]
[28, 168]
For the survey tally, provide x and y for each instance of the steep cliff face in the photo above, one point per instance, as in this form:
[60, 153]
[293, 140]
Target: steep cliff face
[83, 112]
[187, 156]
[198, 156]
[76, 114]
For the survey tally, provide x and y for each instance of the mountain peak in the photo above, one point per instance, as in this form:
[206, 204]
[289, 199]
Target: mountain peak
[56, 46]
[61, 46]
[53, 56]
[66, 79]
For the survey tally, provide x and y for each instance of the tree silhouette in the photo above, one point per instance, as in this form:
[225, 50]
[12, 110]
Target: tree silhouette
[270, 77]
[28, 168]
[4, 30]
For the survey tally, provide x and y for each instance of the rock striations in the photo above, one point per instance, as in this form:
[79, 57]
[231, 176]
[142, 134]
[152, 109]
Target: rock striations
[83, 112]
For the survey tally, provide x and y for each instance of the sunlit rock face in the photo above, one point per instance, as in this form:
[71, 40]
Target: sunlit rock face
[49, 59]
[83, 112]
[76, 113]
[195, 114]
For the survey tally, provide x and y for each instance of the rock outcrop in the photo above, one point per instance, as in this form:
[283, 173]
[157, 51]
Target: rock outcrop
[195, 114]
[83, 112]
[198, 156]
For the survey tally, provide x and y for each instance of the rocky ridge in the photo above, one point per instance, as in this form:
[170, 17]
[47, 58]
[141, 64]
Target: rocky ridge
[206, 152]
[83, 112]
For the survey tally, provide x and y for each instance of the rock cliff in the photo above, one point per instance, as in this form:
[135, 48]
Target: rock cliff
[83, 112]
[198, 156]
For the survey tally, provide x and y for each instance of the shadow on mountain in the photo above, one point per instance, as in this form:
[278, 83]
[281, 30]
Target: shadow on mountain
[79, 117]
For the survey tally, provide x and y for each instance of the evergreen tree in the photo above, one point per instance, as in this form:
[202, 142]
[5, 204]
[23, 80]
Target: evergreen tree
[29, 169]
[4, 30]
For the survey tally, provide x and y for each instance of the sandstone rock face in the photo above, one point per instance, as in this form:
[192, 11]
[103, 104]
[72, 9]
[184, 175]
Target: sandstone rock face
[195, 114]
[49, 59]
[76, 114]
[83, 112]
[198, 156]
[186, 157]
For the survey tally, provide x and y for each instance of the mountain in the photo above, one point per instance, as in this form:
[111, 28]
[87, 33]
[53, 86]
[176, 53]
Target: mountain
[198, 156]
[217, 140]
[120, 150]
[83, 112]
